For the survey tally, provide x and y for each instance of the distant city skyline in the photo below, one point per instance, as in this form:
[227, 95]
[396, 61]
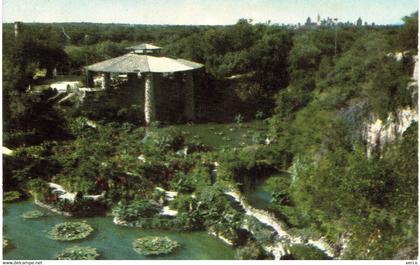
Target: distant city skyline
[205, 12]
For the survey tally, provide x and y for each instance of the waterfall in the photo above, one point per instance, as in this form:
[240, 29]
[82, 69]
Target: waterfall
[278, 249]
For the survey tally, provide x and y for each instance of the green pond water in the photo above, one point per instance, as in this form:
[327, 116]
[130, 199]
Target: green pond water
[260, 194]
[28, 238]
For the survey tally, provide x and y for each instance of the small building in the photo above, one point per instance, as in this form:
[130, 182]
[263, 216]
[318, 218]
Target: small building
[144, 67]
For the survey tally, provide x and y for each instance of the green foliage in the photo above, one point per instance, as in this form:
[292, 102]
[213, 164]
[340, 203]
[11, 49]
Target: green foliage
[162, 140]
[11, 196]
[263, 234]
[78, 253]
[389, 89]
[239, 119]
[250, 251]
[306, 252]
[197, 178]
[29, 163]
[80, 56]
[39, 189]
[135, 210]
[69, 231]
[30, 112]
[259, 115]
[154, 245]
[345, 191]
[33, 214]
[407, 36]
[34, 113]
[336, 190]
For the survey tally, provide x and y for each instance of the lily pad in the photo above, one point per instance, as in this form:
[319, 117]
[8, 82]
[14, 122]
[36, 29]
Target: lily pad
[78, 253]
[71, 231]
[154, 245]
[32, 214]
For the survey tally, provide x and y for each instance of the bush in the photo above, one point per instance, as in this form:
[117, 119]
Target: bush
[39, 189]
[11, 196]
[154, 245]
[135, 210]
[162, 141]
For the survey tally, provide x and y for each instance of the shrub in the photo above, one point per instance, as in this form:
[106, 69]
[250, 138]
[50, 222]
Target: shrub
[159, 140]
[11, 196]
[135, 210]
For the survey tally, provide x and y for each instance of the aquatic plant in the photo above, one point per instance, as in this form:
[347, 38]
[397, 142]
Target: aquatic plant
[11, 196]
[68, 231]
[32, 214]
[154, 245]
[78, 253]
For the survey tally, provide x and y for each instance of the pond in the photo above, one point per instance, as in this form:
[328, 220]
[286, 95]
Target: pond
[29, 238]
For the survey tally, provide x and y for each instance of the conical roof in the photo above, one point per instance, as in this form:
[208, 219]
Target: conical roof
[135, 63]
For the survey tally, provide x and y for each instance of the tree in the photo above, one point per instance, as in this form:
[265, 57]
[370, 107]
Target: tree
[359, 22]
[407, 35]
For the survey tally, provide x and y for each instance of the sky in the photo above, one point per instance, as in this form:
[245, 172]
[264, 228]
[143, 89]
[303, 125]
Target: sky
[205, 12]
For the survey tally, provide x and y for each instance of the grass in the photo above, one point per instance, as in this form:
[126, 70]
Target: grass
[225, 135]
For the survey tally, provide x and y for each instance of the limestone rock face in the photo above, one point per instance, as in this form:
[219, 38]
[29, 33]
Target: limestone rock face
[379, 133]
